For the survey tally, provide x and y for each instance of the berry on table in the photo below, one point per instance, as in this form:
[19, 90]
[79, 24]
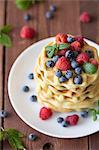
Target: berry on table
[89, 68]
[84, 114]
[50, 64]
[74, 64]
[62, 79]
[78, 79]
[32, 137]
[70, 39]
[82, 58]
[61, 38]
[90, 53]
[55, 58]
[85, 17]
[76, 46]
[33, 98]
[3, 113]
[26, 88]
[49, 15]
[27, 17]
[70, 54]
[60, 119]
[53, 8]
[31, 76]
[45, 113]
[78, 70]
[65, 124]
[68, 74]
[72, 120]
[58, 73]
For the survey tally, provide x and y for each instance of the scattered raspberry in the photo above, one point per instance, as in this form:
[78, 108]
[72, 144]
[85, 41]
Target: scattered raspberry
[27, 32]
[94, 62]
[85, 17]
[61, 38]
[63, 64]
[76, 46]
[45, 113]
[80, 39]
[83, 57]
[61, 52]
[72, 120]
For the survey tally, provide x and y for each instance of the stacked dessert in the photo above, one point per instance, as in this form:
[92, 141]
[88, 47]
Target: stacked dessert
[67, 74]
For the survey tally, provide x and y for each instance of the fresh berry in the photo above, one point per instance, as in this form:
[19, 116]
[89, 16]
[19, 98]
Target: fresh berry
[62, 79]
[31, 76]
[63, 64]
[33, 98]
[61, 52]
[55, 58]
[50, 63]
[90, 53]
[65, 124]
[61, 38]
[49, 15]
[78, 79]
[27, 32]
[69, 74]
[74, 64]
[75, 54]
[26, 88]
[32, 137]
[72, 120]
[89, 68]
[94, 62]
[3, 114]
[76, 46]
[85, 17]
[84, 114]
[27, 17]
[80, 39]
[45, 113]
[70, 39]
[58, 73]
[53, 8]
[70, 55]
[82, 58]
[78, 70]
[60, 119]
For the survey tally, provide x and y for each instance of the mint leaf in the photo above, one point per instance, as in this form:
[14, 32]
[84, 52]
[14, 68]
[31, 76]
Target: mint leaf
[64, 46]
[2, 135]
[6, 29]
[5, 40]
[23, 4]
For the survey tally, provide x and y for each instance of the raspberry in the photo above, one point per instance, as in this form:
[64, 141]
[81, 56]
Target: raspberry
[62, 52]
[27, 32]
[61, 38]
[85, 17]
[72, 120]
[45, 113]
[94, 62]
[76, 46]
[63, 64]
[82, 57]
[80, 39]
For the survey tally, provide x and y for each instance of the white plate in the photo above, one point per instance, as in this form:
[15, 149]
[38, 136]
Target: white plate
[29, 111]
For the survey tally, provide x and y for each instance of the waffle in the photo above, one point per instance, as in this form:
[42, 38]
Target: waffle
[67, 96]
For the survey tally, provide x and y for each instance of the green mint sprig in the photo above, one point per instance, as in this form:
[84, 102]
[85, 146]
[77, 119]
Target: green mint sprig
[14, 138]
[5, 39]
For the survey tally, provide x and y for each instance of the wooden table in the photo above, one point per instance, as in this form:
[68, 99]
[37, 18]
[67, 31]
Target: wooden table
[66, 20]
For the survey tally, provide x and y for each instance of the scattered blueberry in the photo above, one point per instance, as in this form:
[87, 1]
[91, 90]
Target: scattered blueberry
[3, 114]
[33, 98]
[53, 8]
[76, 54]
[62, 79]
[90, 53]
[78, 70]
[32, 137]
[65, 124]
[31, 76]
[69, 74]
[74, 64]
[60, 119]
[70, 55]
[55, 58]
[50, 63]
[49, 14]
[78, 79]
[70, 39]
[84, 114]
[27, 17]
[26, 88]
[58, 73]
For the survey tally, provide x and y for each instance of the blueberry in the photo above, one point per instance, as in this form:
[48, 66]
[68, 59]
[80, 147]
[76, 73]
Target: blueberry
[32, 137]
[55, 58]
[84, 114]
[70, 55]
[65, 124]
[70, 39]
[3, 113]
[53, 8]
[31, 76]
[27, 17]
[90, 53]
[69, 74]
[26, 88]
[74, 64]
[76, 54]
[58, 73]
[60, 119]
[33, 98]
[78, 79]
[50, 63]
[49, 15]
[62, 79]
[78, 70]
